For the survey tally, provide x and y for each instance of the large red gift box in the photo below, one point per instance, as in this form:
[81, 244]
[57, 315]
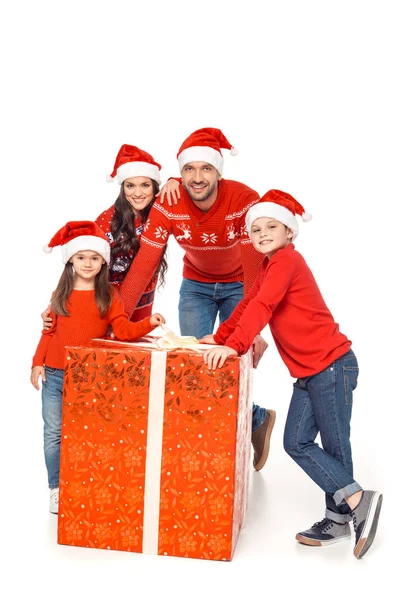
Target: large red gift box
[155, 451]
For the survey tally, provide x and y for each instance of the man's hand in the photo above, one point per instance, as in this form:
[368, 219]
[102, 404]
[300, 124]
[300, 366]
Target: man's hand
[208, 339]
[171, 190]
[216, 357]
[35, 374]
[47, 320]
[259, 347]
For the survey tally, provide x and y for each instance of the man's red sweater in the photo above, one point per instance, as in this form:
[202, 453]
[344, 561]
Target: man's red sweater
[83, 324]
[286, 296]
[216, 244]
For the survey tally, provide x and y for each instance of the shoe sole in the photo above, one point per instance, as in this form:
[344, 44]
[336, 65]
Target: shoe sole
[264, 455]
[370, 527]
[311, 542]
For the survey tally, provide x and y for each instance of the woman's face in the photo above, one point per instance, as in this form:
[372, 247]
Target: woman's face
[138, 192]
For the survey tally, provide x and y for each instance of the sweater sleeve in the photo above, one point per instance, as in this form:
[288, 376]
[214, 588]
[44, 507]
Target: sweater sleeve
[122, 327]
[39, 358]
[228, 327]
[153, 240]
[259, 310]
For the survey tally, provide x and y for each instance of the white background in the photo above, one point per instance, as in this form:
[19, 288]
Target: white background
[307, 92]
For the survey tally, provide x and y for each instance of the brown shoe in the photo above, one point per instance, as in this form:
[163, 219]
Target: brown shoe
[260, 440]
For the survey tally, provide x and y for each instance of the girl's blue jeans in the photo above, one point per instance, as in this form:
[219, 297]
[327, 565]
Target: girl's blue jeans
[51, 411]
[322, 404]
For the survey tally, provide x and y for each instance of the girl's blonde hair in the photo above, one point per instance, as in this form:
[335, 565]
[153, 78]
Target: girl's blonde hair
[103, 291]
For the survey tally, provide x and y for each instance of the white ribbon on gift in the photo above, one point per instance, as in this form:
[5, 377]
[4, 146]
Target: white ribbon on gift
[155, 422]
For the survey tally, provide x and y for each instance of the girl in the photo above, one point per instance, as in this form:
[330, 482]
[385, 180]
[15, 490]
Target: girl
[84, 304]
[285, 296]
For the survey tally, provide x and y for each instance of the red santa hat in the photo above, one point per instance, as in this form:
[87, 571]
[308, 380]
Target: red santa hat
[134, 162]
[77, 236]
[205, 145]
[280, 206]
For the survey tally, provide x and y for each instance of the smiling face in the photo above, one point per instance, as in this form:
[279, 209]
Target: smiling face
[200, 180]
[269, 235]
[138, 192]
[86, 266]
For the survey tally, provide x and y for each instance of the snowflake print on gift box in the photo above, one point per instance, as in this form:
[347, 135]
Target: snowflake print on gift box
[209, 238]
[161, 233]
[186, 233]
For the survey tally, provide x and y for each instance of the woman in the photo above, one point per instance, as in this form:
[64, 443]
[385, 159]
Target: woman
[139, 177]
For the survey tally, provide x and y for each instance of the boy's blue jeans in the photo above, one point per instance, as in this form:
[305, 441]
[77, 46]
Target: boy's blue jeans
[199, 305]
[322, 404]
[51, 411]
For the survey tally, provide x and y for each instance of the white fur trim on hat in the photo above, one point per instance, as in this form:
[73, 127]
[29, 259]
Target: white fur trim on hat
[272, 211]
[85, 242]
[203, 154]
[138, 169]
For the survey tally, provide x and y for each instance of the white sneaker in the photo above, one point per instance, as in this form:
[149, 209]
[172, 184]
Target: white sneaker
[54, 501]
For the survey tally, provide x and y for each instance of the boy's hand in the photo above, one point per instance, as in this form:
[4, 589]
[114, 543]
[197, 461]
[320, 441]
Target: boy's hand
[47, 320]
[259, 347]
[216, 357]
[169, 189]
[156, 320]
[208, 339]
[35, 374]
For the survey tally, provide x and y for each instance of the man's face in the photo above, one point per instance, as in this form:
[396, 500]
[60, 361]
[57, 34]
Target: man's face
[200, 180]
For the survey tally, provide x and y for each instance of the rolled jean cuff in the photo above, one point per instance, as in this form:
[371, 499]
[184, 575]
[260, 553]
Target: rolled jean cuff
[337, 517]
[343, 493]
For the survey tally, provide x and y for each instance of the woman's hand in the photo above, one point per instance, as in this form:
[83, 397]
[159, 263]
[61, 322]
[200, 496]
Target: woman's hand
[35, 374]
[171, 190]
[47, 320]
[216, 357]
[156, 320]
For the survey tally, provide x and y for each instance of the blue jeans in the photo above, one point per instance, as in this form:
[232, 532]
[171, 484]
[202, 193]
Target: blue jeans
[199, 305]
[51, 412]
[322, 404]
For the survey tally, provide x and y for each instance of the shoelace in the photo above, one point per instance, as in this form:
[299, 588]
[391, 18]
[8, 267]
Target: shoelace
[325, 524]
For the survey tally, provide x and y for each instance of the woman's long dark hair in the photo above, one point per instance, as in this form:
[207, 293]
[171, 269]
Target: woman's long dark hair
[103, 291]
[124, 235]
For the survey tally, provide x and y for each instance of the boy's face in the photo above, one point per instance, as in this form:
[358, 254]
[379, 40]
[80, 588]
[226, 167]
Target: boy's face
[269, 235]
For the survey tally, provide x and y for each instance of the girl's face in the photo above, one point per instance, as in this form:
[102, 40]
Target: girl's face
[138, 192]
[269, 235]
[86, 265]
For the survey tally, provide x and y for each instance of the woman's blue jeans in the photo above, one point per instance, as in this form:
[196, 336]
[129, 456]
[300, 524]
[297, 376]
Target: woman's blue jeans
[322, 404]
[200, 304]
[51, 411]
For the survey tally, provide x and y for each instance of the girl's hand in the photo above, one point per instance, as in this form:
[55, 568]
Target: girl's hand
[35, 374]
[208, 339]
[171, 188]
[156, 320]
[47, 320]
[216, 357]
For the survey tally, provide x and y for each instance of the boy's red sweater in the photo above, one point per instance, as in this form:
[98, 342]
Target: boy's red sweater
[286, 296]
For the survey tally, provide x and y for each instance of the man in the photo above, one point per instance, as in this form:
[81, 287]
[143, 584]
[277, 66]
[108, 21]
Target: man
[219, 262]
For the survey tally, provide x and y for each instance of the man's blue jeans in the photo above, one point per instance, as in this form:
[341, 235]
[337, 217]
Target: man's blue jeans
[200, 304]
[322, 404]
[51, 411]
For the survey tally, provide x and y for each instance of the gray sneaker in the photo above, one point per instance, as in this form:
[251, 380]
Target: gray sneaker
[324, 532]
[365, 521]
